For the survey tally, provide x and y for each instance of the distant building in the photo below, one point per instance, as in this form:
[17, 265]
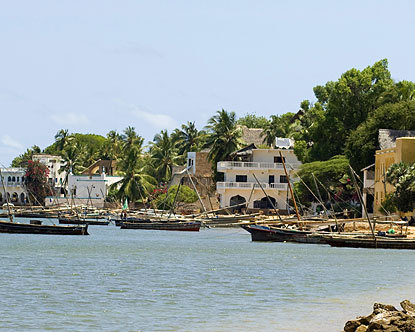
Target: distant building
[14, 190]
[102, 166]
[395, 150]
[240, 186]
[89, 190]
[56, 179]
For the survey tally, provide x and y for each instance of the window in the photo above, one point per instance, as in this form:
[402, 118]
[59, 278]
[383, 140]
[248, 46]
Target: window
[278, 160]
[241, 178]
[9, 179]
[13, 179]
[271, 179]
[190, 162]
[283, 179]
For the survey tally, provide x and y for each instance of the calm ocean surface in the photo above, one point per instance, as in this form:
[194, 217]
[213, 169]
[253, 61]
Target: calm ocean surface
[214, 280]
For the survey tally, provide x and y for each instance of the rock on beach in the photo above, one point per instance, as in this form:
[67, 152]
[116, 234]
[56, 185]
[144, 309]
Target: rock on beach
[385, 317]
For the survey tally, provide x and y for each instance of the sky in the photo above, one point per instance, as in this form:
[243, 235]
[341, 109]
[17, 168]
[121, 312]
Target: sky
[94, 66]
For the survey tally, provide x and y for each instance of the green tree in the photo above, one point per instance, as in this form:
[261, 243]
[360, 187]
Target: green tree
[334, 174]
[136, 183]
[185, 195]
[346, 104]
[224, 137]
[22, 160]
[363, 141]
[188, 139]
[402, 177]
[61, 138]
[279, 126]
[72, 156]
[164, 156]
[253, 121]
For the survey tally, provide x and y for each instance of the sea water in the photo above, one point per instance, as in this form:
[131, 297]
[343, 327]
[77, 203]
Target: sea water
[212, 280]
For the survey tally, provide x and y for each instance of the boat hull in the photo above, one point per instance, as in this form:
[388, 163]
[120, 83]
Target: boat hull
[19, 228]
[275, 234]
[381, 243]
[164, 226]
[74, 221]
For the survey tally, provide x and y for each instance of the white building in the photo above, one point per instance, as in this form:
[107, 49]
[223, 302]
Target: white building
[89, 190]
[54, 163]
[240, 186]
[14, 184]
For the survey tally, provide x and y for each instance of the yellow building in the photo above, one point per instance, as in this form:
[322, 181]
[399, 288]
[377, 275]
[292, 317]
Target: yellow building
[403, 151]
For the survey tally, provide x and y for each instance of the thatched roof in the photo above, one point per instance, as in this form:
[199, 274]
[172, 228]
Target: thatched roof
[252, 135]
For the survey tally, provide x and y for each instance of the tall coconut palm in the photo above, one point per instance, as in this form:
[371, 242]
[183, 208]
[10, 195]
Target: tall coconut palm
[131, 142]
[136, 183]
[72, 156]
[164, 156]
[224, 136]
[61, 138]
[279, 126]
[188, 138]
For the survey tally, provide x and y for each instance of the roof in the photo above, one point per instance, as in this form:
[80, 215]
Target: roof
[387, 137]
[252, 135]
[244, 151]
[367, 167]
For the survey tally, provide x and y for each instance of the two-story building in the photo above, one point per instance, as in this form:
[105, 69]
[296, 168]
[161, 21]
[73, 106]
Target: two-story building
[14, 190]
[402, 151]
[56, 179]
[255, 171]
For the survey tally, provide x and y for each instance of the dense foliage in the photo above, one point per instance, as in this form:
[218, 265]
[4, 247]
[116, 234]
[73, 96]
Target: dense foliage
[184, 195]
[36, 181]
[402, 176]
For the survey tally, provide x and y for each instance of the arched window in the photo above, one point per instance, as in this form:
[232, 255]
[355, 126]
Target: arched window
[22, 198]
[15, 197]
[13, 179]
[1, 198]
[237, 203]
[17, 179]
[9, 179]
[22, 178]
[265, 203]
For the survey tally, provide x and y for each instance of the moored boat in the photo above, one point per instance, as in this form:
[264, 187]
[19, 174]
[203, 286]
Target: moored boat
[379, 242]
[36, 227]
[192, 226]
[279, 234]
[82, 221]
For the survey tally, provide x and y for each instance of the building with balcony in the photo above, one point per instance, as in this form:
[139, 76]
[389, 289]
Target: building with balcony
[14, 190]
[255, 171]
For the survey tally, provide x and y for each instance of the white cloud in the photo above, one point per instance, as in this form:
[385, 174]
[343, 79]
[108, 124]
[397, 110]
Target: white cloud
[70, 119]
[159, 121]
[11, 143]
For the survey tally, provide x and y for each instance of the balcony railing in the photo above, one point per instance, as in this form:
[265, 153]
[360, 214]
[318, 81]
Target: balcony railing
[250, 185]
[223, 165]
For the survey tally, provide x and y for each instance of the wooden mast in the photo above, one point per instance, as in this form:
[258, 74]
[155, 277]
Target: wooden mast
[289, 185]
[7, 196]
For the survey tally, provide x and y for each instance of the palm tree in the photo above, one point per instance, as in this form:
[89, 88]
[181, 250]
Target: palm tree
[279, 126]
[72, 156]
[136, 182]
[61, 138]
[131, 142]
[224, 136]
[111, 149]
[188, 138]
[164, 156]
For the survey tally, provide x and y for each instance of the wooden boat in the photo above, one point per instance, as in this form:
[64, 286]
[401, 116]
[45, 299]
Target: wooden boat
[279, 234]
[82, 221]
[188, 226]
[382, 242]
[36, 227]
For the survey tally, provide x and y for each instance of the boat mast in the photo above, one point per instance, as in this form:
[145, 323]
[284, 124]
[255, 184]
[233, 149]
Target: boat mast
[363, 204]
[7, 196]
[289, 185]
